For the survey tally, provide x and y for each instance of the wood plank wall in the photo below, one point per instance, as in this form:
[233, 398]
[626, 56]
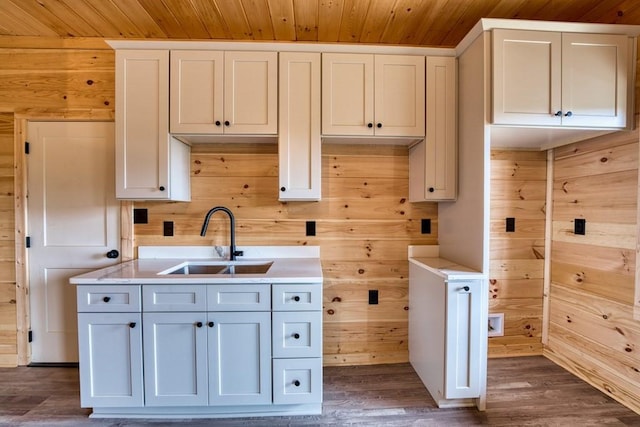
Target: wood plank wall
[8, 316]
[518, 190]
[592, 331]
[364, 223]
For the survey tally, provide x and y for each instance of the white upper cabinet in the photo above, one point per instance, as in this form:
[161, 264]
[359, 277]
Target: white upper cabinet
[215, 92]
[559, 79]
[367, 95]
[299, 122]
[150, 165]
[433, 161]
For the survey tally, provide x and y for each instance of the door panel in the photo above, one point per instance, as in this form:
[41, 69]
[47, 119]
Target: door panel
[73, 221]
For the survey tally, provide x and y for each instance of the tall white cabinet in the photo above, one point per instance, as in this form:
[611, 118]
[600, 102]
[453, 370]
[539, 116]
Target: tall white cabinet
[546, 78]
[150, 164]
[299, 144]
[367, 95]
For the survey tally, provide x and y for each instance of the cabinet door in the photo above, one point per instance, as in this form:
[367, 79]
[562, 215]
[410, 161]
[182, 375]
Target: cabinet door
[463, 335]
[299, 124]
[297, 334]
[594, 80]
[175, 359]
[433, 163]
[251, 93]
[399, 95]
[239, 358]
[110, 354]
[197, 91]
[526, 77]
[347, 94]
[142, 124]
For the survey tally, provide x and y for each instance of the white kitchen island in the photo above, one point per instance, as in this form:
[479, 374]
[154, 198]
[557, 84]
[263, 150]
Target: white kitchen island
[156, 341]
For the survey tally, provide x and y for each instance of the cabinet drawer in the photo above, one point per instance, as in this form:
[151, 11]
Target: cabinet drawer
[174, 297]
[105, 299]
[297, 297]
[239, 297]
[297, 334]
[297, 381]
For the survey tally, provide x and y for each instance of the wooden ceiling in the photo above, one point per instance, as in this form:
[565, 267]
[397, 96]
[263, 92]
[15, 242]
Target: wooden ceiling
[440, 23]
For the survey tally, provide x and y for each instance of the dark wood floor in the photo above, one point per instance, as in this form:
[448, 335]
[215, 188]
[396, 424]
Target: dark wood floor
[529, 391]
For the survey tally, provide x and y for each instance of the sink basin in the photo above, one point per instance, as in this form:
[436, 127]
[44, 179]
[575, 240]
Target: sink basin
[191, 268]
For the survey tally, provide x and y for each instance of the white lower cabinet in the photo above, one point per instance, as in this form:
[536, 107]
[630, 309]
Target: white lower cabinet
[446, 334]
[110, 343]
[201, 350]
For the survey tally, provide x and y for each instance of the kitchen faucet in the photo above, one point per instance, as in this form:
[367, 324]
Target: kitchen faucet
[232, 239]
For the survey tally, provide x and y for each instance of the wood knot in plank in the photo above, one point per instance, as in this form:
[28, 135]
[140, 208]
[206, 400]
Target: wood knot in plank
[406, 308]
[620, 331]
[361, 271]
[569, 319]
[331, 312]
[603, 160]
[564, 186]
[605, 317]
[628, 349]
[403, 200]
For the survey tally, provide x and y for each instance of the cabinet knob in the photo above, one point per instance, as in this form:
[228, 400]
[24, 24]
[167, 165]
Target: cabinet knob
[218, 123]
[210, 324]
[132, 325]
[379, 125]
[226, 123]
[369, 125]
[161, 188]
[296, 383]
[465, 288]
[296, 298]
[199, 324]
[296, 336]
[106, 299]
[431, 189]
[558, 113]
[568, 114]
[283, 188]
[113, 253]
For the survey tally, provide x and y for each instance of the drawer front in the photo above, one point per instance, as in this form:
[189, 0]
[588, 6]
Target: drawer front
[300, 297]
[297, 334]
[297, 381]
[239, 297]
[108, 299]
[174, 298]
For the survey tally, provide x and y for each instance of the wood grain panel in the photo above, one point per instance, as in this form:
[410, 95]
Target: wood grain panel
[597, 234]
[605, 161]
[591, 280]
[516, 266]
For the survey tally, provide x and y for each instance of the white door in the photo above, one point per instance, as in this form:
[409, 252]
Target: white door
[73, 222]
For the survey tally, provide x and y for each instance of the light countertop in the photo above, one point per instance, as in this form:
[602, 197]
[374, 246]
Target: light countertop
[290, 265]
[427, 256]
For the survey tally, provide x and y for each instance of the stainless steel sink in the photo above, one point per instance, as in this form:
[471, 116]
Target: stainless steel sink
[192, 268]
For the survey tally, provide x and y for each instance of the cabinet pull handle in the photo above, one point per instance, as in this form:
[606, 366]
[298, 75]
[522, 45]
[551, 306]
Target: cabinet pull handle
[296, 383]
[106, 299]
[211, 324]
[132, 325]
[283, 188]
[379, 125]
[558, 113]
[296, 335]
[226, 123]
[431, 189]
[199, 324]
[465, 288]
[369, 125]
[161, 188]
[568, 114]
[218, 123]
[296, 298]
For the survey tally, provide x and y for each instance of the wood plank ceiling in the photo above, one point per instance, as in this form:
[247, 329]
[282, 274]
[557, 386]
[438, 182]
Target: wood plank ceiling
[440, 23]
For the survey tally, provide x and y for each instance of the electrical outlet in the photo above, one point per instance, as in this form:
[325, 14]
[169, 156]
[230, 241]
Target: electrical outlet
[311, 228]
[140, 216]
[580, 226]
[425, 226]
[510, 225]
[167, 228]
[373, 296]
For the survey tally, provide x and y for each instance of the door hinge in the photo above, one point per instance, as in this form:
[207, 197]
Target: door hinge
[30, 336]
[27, 242]
[26, 147]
